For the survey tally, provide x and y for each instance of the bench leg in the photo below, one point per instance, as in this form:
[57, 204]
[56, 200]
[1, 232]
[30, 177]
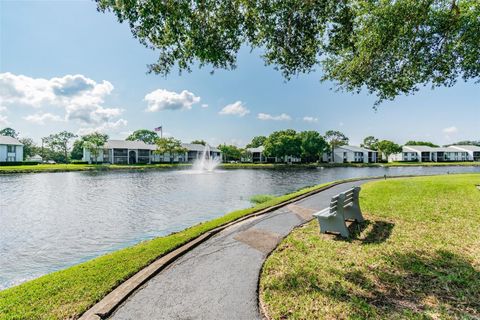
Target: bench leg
[333, 224]
[354, 213]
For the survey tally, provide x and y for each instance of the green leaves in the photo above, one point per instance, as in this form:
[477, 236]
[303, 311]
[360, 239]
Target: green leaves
[169, 145]
[386, 47]
[144, 135]
[283, 143]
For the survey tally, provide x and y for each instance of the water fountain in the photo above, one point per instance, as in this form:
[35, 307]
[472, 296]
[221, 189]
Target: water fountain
[206, 162]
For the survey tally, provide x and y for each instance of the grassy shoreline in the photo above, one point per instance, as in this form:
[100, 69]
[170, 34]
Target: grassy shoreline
[93, 167]
[70, 292]
[416, 257]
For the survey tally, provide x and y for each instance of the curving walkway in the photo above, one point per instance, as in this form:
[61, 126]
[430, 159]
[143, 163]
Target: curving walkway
[219, 278]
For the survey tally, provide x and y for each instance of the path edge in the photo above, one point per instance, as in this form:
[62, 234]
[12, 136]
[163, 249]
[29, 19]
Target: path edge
[108, 304]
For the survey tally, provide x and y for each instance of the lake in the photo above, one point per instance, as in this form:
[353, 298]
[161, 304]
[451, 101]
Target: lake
[50, 221]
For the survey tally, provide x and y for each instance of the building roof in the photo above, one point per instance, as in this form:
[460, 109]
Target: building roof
[432, 149]
[448, 149]
[355, 149]
[198, 147]
[257, 149]
[466, 147]
[419, 149]
[35, 157]
[124, 144]
[9, 140]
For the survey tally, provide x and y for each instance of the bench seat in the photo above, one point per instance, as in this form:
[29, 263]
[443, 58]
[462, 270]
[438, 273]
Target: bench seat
[344, 206]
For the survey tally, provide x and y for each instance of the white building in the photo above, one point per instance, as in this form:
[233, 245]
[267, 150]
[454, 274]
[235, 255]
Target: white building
[132, 152]
[36, 158]
[430, 154]
[257, 155]
[350, 154]
[473, 152]
[11, 150]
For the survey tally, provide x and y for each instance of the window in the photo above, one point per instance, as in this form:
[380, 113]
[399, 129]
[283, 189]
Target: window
[120, 152]
[143, 153]
[106, 155]
[10, 149]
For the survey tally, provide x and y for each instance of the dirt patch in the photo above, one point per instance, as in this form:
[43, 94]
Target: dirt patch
[262, 240]
[302, 212]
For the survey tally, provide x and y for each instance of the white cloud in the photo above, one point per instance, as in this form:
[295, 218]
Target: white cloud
[4, 120]
[237, 109]
[111, 126]
[281, 117]
[161, 99]
[310, 119]
[204, 105]
[450, 130]
[40, 118]
[81, 98]
[37, 92]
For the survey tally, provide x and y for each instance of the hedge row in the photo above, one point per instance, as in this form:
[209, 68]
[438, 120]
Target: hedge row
[18, 163]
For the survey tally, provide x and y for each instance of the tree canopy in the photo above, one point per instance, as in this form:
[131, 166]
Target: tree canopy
[231, 152]
[467, 143]
[144, 135]
[421, 143]
[257, 142]
[283, 143]
[387, 148]
[58, 142]
[388, 47]
[169, 145]
[202, 142]
[93, 143]
[29, 147]
[9, 132]
[313, 145]
[370, 142]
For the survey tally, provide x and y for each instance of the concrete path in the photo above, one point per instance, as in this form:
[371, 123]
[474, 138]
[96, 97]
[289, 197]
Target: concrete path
[219, 278]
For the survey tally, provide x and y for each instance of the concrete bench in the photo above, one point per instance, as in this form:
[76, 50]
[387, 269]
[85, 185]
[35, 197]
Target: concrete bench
[344, 206]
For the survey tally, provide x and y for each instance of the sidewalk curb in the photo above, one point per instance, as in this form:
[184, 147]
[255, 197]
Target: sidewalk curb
[107, 305]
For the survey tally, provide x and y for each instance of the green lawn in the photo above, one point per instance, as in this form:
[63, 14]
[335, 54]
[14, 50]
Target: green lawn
[70, 292]
[92, 167]
[430, 164]
[84, 167]
[416, 257]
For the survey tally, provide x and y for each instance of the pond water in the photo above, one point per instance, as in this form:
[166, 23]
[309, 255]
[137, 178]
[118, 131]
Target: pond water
[49, 221]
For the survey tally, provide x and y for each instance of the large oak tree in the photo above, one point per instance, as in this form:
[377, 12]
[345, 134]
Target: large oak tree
[387, 47]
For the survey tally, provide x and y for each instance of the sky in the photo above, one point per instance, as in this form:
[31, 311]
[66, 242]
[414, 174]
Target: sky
[66, 66]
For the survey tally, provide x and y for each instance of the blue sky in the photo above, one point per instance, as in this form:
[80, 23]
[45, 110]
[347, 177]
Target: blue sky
[66, 66]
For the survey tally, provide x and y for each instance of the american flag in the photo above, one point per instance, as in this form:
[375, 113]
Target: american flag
[157, 129]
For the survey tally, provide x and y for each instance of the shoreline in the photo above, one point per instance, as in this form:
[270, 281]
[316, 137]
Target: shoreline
[51, 168]
[85, 284]
[81, 286]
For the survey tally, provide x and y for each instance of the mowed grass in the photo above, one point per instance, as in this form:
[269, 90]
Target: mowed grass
[66, 294]
[416, 257]
[84, 167]
[261, 198]
[100, 167]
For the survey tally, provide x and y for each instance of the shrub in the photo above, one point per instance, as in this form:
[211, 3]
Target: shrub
[18, 163]
[78, 162]
[261, 198]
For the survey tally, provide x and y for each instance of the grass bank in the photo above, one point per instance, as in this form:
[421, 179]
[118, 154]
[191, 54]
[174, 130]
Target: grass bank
[93, 167]
[85, 167]
[416, 257]
[70, 292]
